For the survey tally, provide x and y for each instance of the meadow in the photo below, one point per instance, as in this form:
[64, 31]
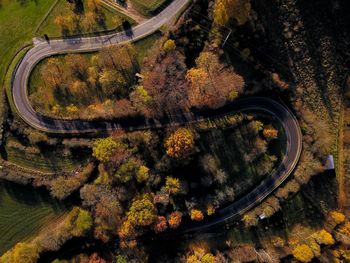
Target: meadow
[23, 212]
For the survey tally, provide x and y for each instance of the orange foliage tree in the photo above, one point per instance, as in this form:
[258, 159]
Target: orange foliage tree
[196, 215]
[175, 219]
[180, 143]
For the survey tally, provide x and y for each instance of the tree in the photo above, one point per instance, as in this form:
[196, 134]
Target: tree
[270, 133]
[22, 252]
[127, 171]
[338, 217]
[83, 223]
[174, 219]
[324, 238]
[77, 65]
[303, 253]
[142, 211]
[196, 215]
[72, 109]
[165, 82]
[103, 149]
[94, 5]
[180, 143]
[142, 174]
[199, 255]
[212, 85]
[140, 99]
[160, 224]
[169, 45]
[224, 10]
[172, 185]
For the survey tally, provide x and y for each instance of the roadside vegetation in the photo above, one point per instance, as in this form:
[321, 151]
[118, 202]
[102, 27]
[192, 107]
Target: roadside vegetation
[148, 7]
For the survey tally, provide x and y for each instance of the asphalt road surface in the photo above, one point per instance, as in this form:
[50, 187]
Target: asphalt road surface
[43, 49]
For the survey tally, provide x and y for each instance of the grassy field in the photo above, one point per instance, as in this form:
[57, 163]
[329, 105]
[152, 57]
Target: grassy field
[23, 212]
[18, 20]
[148, 7]
[48, 160]
[112, 20]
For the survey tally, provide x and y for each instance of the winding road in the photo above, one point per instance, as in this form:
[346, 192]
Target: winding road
[43, 49]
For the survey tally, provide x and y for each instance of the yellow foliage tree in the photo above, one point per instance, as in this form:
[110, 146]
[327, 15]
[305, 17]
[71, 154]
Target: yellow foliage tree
[199, 255]
[103, 149]
[337, 217]
[142, 211]
[172, 185]
[22, 252]
[224, 10]
[324, 238]
[303, 253]
[169, 45]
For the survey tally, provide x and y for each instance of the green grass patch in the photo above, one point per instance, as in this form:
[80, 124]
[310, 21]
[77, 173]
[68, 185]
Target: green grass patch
[148, 7]
[110, 19]
[18, 20]
[23, 212]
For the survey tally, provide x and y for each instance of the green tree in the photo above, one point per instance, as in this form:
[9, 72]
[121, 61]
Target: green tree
[127, 171]
[103, 149]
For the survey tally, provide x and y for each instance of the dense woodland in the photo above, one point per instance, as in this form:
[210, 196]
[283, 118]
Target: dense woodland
[137, 187]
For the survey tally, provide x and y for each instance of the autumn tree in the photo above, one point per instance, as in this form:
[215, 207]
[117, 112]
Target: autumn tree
[165, 82]
[52, 72]
[180, 143]
[77, 65]
[108, 212]
[196, 215]
[128, 170]
[22, 252]
[160, 224]
[142, 174]
[199, 255]
[169, 45]
[224, 10]
[93, 5]
[140, 99]
[324, 238]
[270, 133]
[212, 85]
[174, 219]
[103, 149]
[303, 253]
[172, 185]
[142, 211]
[337, 217]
